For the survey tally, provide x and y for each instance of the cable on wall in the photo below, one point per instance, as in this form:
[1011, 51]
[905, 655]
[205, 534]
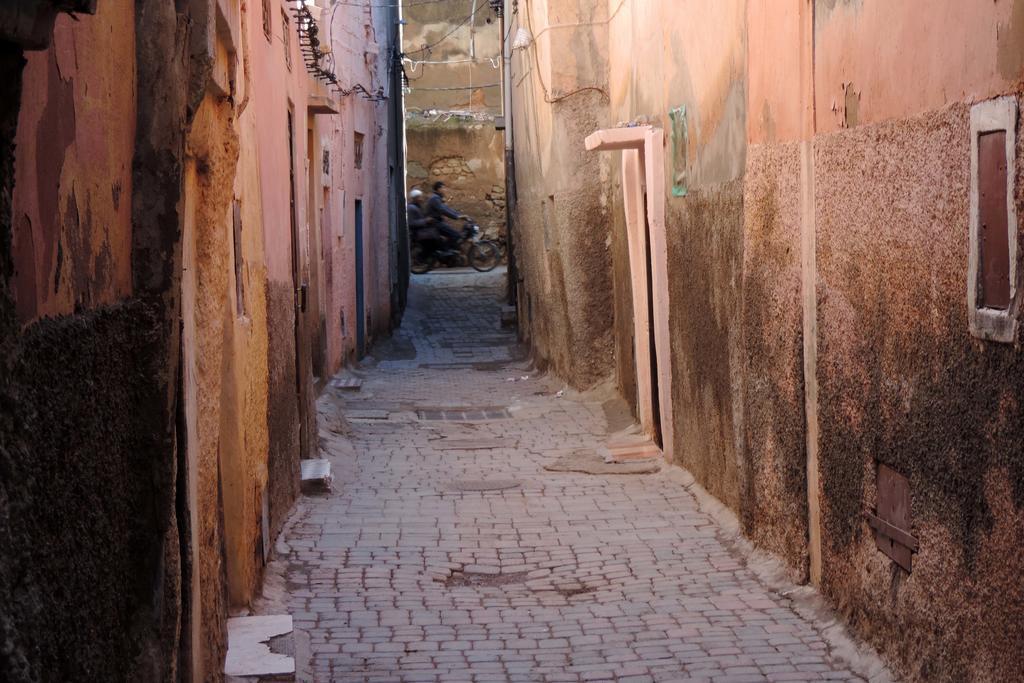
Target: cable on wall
[319, 64]
[540, 75]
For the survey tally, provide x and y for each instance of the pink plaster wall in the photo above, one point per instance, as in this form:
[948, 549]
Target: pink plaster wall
[355, 61]
[773, 71]
[275, 88]
[353, 32]
[76, 130]
[877, 61]
[699, 64]
[904, 58]
[323, 213]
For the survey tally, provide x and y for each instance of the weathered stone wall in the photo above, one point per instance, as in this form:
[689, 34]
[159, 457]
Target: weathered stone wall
[212, 148]
[468, 156]
[284, 233]
[705, 267]
[565, 307]
[279, 231]
[703, 69]
[246, 442]
[283, 413]
[776, 511]
[901, 381]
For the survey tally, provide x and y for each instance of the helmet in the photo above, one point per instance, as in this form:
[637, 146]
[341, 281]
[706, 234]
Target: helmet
[415, 194]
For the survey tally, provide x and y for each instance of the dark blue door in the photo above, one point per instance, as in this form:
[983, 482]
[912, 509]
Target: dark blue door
[360, 302]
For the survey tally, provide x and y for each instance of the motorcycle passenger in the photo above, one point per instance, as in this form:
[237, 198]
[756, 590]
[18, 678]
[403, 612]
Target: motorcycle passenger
[422, 228]
[437, 210]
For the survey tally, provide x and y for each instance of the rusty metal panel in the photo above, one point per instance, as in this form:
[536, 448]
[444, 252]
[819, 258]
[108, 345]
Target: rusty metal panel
[891, 519]
[993, 236]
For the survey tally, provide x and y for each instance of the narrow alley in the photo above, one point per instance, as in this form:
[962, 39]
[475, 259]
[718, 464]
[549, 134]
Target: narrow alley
[446, 551]
[511, 340]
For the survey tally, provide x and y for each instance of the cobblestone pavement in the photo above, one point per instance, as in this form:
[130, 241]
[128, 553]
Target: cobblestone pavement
[445, 552]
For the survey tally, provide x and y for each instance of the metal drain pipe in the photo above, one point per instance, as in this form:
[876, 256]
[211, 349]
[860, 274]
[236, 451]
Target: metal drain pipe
[512, 281]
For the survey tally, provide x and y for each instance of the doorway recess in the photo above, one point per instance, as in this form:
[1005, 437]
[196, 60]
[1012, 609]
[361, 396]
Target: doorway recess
[643, 165]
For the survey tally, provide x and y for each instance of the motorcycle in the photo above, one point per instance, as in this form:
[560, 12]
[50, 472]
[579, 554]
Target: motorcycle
[471, 250]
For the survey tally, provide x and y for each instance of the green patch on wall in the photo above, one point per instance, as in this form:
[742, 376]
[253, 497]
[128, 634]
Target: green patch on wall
[680, 148]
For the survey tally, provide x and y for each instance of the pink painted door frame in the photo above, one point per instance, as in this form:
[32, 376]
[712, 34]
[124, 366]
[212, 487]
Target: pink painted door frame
[643, 165]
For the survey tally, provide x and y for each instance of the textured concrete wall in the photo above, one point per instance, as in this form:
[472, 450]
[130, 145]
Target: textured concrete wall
[213, 153]
[367, 183]
[286, 243]
[89, 497]
[774, 495]
[320, 250]
[967, 52]
[705, 262]
[469, 157]
[775, 502]
[563, 240]
[246, 428]
[270, 109]
[346, 184]
[902, 382]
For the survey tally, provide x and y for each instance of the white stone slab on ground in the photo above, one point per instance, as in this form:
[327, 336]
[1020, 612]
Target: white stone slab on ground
[249, 650]
[316, 472]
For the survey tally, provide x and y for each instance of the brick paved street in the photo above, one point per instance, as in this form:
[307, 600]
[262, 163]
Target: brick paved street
[408, 571]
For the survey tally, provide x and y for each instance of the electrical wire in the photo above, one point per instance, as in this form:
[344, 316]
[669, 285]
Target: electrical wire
[476, 60]
[540, 76]
[410, 3]
[320, 65]
[463, 87]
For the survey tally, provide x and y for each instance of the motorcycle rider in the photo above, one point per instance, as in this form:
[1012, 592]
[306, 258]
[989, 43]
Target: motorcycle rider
[437, 210]
[422, 229]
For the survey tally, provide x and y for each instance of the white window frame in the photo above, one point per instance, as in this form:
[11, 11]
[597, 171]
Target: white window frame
[992, 324]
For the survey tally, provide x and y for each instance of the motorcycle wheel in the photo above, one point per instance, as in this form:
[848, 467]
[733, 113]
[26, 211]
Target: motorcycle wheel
[484, 256]
[418, 263]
